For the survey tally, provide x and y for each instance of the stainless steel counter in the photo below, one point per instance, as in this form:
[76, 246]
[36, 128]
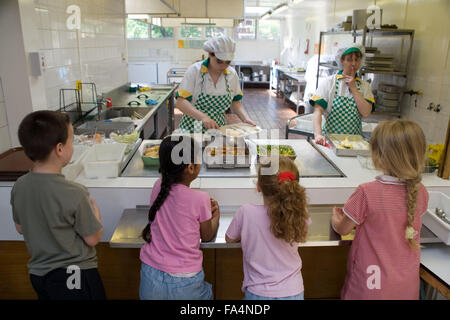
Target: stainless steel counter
[311, 163]
[320, 234]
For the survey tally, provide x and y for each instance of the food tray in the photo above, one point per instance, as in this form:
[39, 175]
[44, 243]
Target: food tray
[360, 147]
[239, 130]
[261, 151]
[75, 166]
[438, 226]
[241, 160]
[104, 160]
[150, 161]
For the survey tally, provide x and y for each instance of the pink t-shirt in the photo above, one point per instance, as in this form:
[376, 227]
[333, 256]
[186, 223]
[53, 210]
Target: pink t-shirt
[381, 264]
[175, 245]
[272, 267]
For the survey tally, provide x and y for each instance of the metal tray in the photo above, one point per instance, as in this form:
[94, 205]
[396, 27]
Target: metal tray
[227, 161]
[360, 146]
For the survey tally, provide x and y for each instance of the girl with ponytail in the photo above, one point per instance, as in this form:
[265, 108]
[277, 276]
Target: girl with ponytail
[179, 217]
[270, 234]
[384, 259]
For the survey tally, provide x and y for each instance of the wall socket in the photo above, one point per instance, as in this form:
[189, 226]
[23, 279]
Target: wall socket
[433, 107]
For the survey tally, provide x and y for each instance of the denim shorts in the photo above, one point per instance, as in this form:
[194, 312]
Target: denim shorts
[159, 285]
[251, 296]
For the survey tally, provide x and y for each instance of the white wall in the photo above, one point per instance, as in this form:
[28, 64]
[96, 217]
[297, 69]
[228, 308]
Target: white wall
[429, 70]
[5, 141]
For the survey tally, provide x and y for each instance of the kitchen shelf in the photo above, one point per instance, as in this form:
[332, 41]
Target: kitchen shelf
[369, 34]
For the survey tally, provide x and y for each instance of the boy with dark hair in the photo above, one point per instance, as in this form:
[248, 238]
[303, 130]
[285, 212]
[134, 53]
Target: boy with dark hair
[59, 221]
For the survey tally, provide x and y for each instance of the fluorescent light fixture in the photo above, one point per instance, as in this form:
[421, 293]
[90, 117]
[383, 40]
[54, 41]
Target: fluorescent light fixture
[296, 1]
[156, 21]
[280, 8]
[139, 16]
[266, 15]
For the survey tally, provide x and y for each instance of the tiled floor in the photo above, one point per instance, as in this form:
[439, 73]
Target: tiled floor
[266, 109]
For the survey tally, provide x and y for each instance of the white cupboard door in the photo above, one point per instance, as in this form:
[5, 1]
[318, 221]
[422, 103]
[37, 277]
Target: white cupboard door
[143, 72]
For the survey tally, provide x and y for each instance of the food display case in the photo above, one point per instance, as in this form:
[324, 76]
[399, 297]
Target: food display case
[310, 161]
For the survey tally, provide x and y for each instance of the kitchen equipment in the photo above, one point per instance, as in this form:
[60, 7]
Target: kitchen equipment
[263, 77]
[246, 78]
[389, 88]
[261, 72]
[223, 155]
[359, 19]
[14, 163]
[104, 160]
[75, 166]
[432, 218]
[349, 145]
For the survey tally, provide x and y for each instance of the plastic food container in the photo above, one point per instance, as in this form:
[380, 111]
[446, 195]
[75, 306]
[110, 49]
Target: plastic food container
[73, 169]
[150, 161]
[437, 225]
[305, 123]
[104, 160]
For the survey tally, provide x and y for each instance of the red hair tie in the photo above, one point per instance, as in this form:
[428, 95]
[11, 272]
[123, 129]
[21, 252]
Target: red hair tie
[286, 176]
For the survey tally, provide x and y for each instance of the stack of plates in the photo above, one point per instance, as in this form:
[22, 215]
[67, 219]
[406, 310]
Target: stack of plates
[388, 97]
[375, 61]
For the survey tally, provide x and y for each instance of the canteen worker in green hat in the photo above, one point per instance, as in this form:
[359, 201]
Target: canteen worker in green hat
[343, 98]
[209, 88]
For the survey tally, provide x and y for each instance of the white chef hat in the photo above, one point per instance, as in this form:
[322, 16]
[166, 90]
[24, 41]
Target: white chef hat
[223, 47]
[342, 51]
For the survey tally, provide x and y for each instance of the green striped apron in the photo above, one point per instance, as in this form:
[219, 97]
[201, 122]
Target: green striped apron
[213, 106]
[344, 117]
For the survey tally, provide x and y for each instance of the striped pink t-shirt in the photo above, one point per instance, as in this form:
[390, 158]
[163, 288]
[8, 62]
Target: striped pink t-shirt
[381, 264]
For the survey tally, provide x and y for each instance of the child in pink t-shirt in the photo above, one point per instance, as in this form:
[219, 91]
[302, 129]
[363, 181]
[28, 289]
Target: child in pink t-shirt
[384, 258]
[178, 218]
[270, 234]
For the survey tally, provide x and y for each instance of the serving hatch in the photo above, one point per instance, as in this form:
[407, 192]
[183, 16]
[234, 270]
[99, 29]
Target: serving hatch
[349, 145]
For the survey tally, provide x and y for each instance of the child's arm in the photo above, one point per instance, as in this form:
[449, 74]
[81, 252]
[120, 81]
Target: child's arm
[229, 240]
[208, 229]
[341, 223]
[94, 239]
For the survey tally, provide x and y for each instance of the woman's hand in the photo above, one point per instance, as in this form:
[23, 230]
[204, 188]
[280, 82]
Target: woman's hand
[320, 139]
[215, 211]
[351, 82]
[249, 122]
[209, 123]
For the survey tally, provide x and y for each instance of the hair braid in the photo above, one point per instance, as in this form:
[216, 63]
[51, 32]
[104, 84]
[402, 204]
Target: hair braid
[412, 187]
[166, 183]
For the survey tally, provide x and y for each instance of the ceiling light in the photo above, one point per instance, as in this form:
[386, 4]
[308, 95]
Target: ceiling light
[280, 8]
[138, 16]
[256, 10]
[266, 15]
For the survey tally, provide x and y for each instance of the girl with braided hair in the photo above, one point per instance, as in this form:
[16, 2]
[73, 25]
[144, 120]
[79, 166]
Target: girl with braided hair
[178, 218]
[384, 258]
[270, 235]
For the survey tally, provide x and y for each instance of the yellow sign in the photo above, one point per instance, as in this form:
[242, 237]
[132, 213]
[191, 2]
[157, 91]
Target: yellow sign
[180, 44]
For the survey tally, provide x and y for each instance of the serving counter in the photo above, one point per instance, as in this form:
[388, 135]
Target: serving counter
[324, 254]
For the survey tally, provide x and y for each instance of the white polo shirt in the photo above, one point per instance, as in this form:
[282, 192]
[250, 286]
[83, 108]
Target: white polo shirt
[191, 85]
[324, 95]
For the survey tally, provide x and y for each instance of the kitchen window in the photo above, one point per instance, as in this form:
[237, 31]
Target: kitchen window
[268, 29]
[137, 29]
[162, 32]
[212, 32]
[246, 30]
[191, 32]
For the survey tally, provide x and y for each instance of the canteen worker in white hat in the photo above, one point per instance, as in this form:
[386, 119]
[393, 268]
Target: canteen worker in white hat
[209, 88]
[343, 98]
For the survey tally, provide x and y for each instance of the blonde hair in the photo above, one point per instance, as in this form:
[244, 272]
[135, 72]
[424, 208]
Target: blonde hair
[287, 203]
[398, 149]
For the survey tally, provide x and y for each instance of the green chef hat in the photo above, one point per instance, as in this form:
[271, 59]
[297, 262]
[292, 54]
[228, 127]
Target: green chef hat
[350, 50]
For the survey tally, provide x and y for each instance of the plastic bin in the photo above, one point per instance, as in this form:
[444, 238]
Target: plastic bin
[73, 169]
[104, 160]
[438, 226]
[305, 123]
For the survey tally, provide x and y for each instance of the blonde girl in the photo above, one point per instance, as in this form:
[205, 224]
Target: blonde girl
[384, 259]
[270, 233]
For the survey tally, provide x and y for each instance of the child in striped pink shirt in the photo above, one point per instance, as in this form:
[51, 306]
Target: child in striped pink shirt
[384, 259]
